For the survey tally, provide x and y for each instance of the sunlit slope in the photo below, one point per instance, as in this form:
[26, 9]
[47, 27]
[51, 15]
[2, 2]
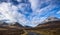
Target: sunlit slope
[48, 28]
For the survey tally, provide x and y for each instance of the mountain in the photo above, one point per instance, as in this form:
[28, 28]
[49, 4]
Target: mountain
[27, 27]
[17, 24]
[3, 24]
[50, 24]
[10, 25]
[51, 18]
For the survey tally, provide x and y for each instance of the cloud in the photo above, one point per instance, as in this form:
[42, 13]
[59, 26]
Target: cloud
[4, 9]
[10, 13]
[26, 15]
[58, 12]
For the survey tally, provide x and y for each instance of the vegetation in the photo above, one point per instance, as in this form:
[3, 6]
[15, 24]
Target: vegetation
[49, 28]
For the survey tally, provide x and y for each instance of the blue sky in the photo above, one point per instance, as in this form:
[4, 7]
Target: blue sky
[30, 13]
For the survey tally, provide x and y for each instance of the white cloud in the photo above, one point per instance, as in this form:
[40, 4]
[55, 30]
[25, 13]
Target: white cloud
[19, 0]
[58, 12]
[11, 13]
[4, 9]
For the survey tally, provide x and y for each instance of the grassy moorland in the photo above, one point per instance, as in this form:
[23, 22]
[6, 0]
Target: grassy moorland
[49, 28]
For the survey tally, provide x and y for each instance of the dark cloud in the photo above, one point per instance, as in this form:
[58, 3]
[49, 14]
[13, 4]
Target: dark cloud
[14, 2]
[3, 1]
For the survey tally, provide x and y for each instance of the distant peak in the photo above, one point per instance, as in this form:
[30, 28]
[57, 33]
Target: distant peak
[51, 18]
